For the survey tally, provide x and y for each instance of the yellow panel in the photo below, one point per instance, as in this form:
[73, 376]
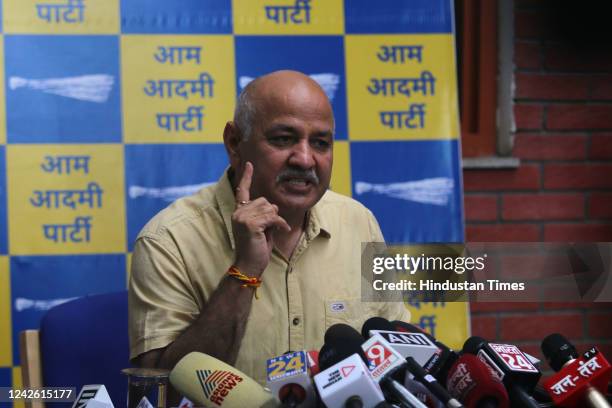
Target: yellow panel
[17, 384]
[205, 63]
[6, 350]
[411, 88]
[341, 172]
[85, 211]
[449, 321]
[61, 16]
[288, 17]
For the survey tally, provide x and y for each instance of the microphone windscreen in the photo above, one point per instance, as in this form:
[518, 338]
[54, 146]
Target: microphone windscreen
[211, 382]
[558, 351]
[473, 344]
[341, 341]
[333, 353]
[472, 382]
[340, 332]
[376, 323]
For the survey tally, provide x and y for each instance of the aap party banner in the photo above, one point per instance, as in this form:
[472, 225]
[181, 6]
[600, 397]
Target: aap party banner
[112, 109]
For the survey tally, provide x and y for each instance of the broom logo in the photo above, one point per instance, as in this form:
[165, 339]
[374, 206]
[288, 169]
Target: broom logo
[90, 88]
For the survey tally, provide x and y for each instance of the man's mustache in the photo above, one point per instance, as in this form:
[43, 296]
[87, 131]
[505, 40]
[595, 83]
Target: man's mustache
[290, 173]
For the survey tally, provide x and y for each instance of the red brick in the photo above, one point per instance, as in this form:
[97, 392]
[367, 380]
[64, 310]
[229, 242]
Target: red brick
[601, 86]
[600, 325]
[528, 24]
[531, 267]
[561, 57]
[578, 232]
[536, 326]
[575, 116]
[526, 177]
[561, 290]
[503, 233]
[550, 147]
[601, 146]
[542, 207]
[527, 55]
[480, 207]
[575, 306]
[600, 205]
[484, 327]
[528, 116]
[577, 176]
[551, 86]
[484, 307]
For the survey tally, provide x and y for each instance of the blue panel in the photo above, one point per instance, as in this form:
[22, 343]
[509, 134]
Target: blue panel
[3, 202]
[324, 56]
[62, 89]
[398, 16]
[39, 282]
[413, 188]
[149, 188]
[6, 380]
[176, 16]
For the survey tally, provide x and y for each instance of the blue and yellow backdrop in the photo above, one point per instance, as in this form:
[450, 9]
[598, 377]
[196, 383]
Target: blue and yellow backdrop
[111, 109]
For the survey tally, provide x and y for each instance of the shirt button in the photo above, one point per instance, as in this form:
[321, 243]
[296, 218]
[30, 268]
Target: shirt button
[296, 321]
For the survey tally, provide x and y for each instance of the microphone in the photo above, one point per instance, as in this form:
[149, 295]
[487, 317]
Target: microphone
[471, 381]
[348, 384]
[95, 396]
[288, 378]
[416, 345]
[210, 382]
[313, 362]
[377, 326]
[439, 364]
[579, 379]
[422, 393]
[510, 366]
[337, 362]
[342, 339]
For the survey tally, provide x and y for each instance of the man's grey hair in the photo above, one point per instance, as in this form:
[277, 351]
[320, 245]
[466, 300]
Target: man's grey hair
[244, 114]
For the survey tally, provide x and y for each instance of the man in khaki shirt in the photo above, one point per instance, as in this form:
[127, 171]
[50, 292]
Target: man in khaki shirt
[270, 218]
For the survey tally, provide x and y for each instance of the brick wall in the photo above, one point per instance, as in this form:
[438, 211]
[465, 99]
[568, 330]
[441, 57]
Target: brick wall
[562, 190]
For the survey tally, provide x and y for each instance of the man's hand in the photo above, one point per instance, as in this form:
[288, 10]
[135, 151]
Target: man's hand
[253, 225]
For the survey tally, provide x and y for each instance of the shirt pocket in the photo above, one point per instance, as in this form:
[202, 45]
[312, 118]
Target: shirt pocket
[350, 311]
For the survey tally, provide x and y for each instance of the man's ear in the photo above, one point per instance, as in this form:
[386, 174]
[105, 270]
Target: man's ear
[231, 140]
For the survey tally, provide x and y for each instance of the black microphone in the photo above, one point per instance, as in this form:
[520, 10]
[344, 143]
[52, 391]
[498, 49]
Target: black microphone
[341, 341]
[510, 365]
[439, 365]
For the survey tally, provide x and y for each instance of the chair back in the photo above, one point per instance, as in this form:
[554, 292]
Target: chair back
[85, 341]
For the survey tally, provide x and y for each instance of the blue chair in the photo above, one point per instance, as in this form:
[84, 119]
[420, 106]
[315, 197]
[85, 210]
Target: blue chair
[84, 341]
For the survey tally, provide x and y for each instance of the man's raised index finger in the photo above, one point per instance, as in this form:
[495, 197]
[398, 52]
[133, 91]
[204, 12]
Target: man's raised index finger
[244, 185]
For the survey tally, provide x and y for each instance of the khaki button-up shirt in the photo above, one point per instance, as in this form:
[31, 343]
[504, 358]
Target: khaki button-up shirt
[182, 254]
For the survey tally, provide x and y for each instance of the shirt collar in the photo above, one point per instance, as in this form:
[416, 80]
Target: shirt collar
[318, 220]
